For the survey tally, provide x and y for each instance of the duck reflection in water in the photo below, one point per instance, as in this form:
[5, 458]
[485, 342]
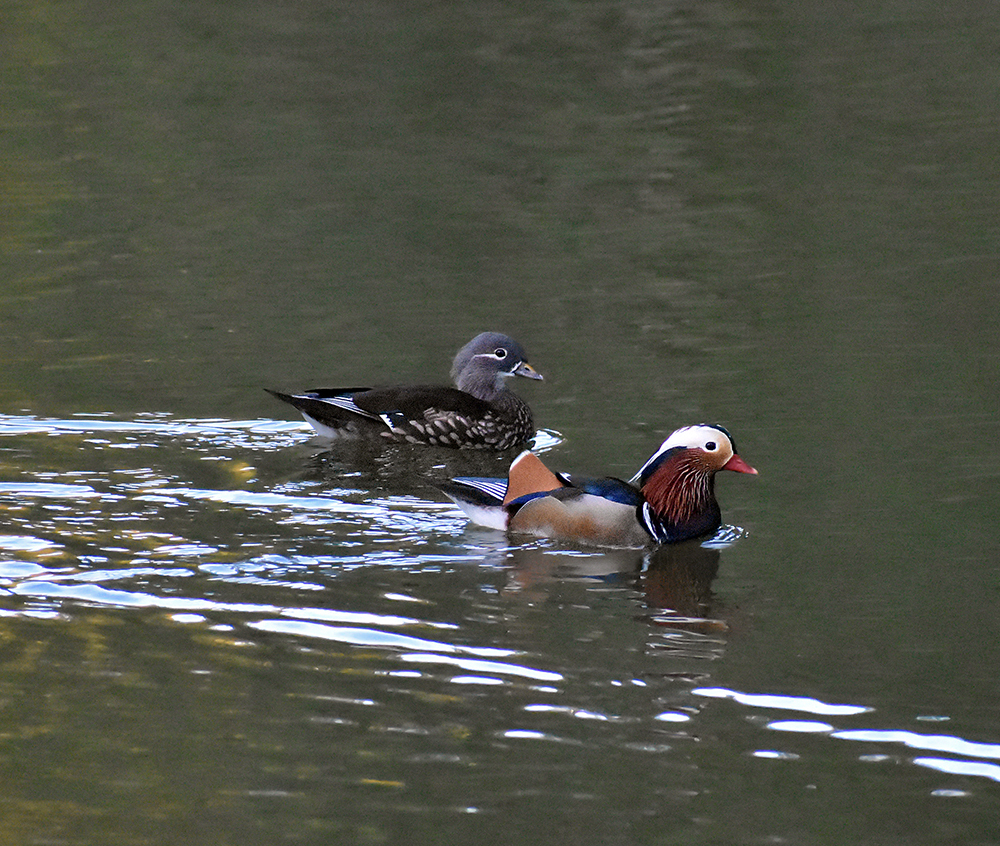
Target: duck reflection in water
[674, 580]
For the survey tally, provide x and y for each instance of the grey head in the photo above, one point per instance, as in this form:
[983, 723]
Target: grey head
[483, 365]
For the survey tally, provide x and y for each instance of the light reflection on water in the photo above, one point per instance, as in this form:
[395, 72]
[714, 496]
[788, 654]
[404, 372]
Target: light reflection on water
[914, 740]
[219, 532]
[123, 502]
[203, 430]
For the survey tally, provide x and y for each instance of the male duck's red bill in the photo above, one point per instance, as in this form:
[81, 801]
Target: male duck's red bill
[670, 499]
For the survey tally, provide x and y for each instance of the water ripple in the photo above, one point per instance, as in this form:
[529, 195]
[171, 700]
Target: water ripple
[414, 650]
[947, 744]
[155, 424]
[498, 667]
[358, 636]
[95, 594]
[48, 490]
[266, 500]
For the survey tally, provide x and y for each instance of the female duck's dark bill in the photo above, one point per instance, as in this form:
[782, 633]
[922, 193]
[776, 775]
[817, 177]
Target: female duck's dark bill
[527, 371]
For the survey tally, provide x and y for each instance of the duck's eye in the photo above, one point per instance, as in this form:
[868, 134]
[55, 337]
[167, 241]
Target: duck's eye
[500, 353]
[711, 446]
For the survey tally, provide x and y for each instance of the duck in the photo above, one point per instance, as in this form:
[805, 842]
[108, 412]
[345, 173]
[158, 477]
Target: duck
[480, 412]
[670, 499]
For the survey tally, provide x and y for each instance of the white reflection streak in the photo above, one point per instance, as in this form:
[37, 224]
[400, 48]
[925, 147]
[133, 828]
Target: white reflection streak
[931, 742]
[26, 424]
[579, 713]
[272, 500]
[787, 703]
[25, 543]
[802, 726]
[401, 508]
[372, 637]
[331, 616]
[913, 740]
[49, 490]
[430, 651]
[972, 768]
[483, 666]
[95, 594]
[129, 599]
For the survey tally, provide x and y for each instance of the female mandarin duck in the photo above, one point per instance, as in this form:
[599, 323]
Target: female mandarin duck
[481, 413]
[670, 499]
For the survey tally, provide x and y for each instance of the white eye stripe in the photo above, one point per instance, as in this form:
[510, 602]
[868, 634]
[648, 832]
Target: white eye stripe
[498, 355]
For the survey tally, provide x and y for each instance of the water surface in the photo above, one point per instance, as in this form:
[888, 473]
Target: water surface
[215, 629]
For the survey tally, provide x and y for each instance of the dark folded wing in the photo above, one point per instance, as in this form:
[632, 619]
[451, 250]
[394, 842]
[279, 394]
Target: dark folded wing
[415, 401]
[328, 405]
[608, 488]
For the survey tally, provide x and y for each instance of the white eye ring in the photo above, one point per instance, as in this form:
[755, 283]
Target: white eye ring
[711, 446]
[500, 353]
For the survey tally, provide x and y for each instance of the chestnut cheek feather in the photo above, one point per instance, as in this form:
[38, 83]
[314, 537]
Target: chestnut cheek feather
[680, 489]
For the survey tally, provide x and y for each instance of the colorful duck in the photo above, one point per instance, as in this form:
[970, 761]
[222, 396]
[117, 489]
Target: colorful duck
[670, 499]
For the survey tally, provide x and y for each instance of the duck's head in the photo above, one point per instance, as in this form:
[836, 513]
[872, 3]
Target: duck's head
[678, 481]
[483, 365]
[706, 448]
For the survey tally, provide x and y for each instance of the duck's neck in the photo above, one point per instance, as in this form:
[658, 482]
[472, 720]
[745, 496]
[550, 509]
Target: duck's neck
[505, 403]
[485, 386]
[681, 497]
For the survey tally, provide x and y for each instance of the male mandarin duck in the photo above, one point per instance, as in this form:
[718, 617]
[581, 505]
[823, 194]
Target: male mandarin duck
[670, 499]
[480, 413]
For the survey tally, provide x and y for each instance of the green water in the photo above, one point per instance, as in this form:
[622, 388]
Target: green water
[781, 217]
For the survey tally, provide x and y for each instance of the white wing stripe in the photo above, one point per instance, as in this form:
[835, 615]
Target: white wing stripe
[347, 404]
[493, 488]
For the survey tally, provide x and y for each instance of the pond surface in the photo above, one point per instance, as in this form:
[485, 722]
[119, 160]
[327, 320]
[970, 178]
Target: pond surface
[780, 216]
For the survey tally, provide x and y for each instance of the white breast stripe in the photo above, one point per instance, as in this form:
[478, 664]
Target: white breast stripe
[644, 520]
